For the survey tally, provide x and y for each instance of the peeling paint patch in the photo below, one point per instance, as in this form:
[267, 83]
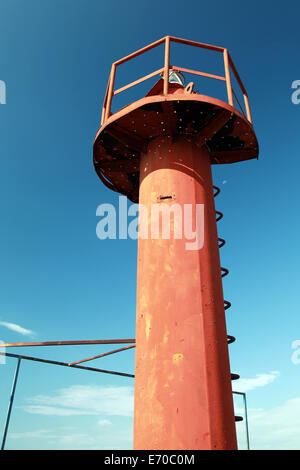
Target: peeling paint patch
[148, 324]
[143, 301]
[153, 354]
[171, 250]
[177, 358]
[166, 335]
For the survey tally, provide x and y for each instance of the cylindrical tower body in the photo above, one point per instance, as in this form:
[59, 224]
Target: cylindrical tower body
[183, 396]
[158, 151]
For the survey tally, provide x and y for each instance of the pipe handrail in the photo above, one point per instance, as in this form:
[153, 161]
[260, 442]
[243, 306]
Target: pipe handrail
[164, 71]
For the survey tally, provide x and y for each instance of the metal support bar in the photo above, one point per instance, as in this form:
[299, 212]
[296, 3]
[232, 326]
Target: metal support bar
[12, 396]
[47, 361]
[246, 417]
[246, 422]
[197, 44]
[104, 104]
[167, 64]
[238, 102]
[241, 85]
[228, 78]
[102, 355]
[247, 106]
[69, 343]
[195, 72]
[140, 80]
[110, 91]
[73, 365]
[140, 51]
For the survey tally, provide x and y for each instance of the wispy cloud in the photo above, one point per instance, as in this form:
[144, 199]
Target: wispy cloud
[277, 428]
[38, 434]
[260, 380]
[104, 422]
[94, 438]
[54, 411]
[274, 428]
[16, 328]
[84, 400]
[108, 409]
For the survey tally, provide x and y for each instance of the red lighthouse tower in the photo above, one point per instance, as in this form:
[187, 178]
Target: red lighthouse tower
[159, 150]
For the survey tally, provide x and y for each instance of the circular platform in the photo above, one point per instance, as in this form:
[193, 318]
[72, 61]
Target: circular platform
[227, 134]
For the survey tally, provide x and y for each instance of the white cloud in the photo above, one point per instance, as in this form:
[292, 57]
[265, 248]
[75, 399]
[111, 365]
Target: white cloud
[84, 400]
[70, 437]
[38, 434]
[53, 411]
[104, 422]
[16, 328]
[275, 429]
[260, 380]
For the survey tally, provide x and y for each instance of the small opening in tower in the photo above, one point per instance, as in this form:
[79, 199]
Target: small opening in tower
[163, 198]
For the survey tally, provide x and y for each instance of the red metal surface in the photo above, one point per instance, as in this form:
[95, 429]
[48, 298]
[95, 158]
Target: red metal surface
[183, 397]
[157, 150]
[124, 136]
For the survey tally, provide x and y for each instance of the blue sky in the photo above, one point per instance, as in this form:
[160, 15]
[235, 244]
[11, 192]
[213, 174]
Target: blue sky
[60, 282]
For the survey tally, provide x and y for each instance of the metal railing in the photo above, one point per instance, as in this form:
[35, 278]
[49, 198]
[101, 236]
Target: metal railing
[243, 394]
[164, 71]
[75, 365]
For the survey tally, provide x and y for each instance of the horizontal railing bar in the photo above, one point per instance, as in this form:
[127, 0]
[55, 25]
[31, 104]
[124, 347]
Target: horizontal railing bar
[65, 364]
[173, 39]
[197, 44]
[69, 343]
[195, 72]
[140, 51]
[136, 82]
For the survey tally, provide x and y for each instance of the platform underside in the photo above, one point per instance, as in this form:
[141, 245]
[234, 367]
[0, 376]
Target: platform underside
[227, 134]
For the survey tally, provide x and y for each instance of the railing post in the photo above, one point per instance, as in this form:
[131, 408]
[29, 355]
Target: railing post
[105, 103]
[12, 396]
[228, 78]
[248, 112]
[246, 421]
[110, 91]
[167, 65]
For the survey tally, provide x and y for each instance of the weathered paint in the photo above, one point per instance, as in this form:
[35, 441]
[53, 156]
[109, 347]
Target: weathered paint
[150, 149]
[183, 395]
